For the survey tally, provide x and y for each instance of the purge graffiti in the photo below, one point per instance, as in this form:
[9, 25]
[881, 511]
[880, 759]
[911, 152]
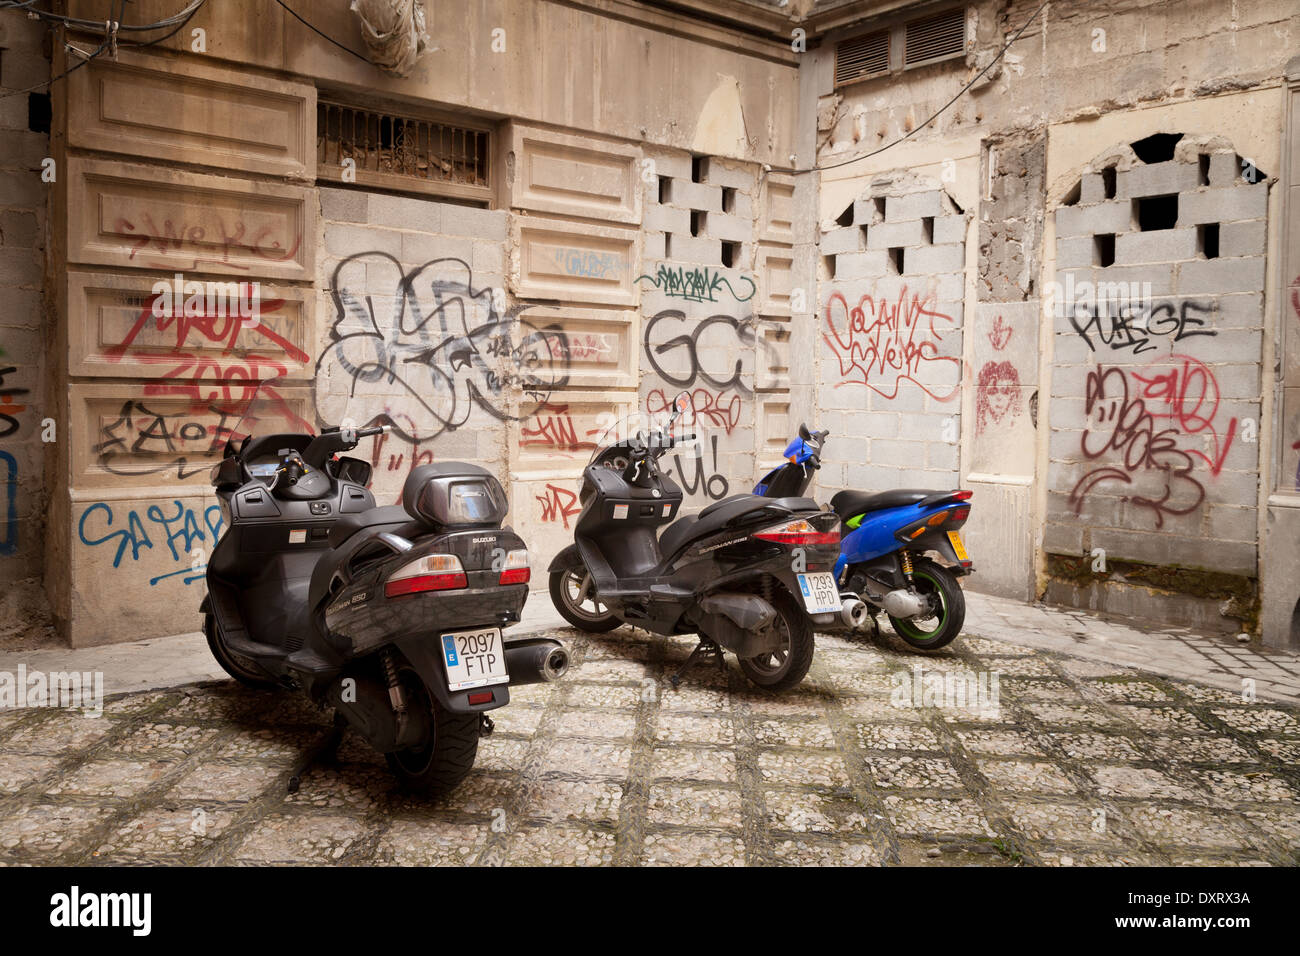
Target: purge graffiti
[1141, 420]
[1134, 328]
[424, 355]
[881, 343]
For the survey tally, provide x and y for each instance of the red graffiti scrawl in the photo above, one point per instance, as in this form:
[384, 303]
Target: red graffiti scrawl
[1000, 334]
[997, 396]
[881, 344]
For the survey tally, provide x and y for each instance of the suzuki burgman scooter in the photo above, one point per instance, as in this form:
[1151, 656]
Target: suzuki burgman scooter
[748, 574]
[392, 616]
[883, 564]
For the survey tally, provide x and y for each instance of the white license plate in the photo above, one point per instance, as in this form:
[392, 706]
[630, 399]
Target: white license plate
[474, 658]
[820, 594]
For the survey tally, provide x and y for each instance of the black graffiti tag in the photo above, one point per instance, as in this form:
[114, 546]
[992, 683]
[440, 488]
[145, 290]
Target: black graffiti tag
[1132, 327]
[732, 336]
[440, 348]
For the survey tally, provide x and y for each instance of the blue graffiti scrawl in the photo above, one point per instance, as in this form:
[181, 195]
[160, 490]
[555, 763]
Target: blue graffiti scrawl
[8, 503]
[179, 531]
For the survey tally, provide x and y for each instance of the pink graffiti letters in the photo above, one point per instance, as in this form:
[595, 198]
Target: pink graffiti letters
[881, 344]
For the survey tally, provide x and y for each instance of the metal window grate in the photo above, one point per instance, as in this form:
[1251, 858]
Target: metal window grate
[395, 145]
[861, 57]
[936, 37]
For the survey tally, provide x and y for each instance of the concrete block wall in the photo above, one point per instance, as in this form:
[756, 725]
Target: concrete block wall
[1156, 402]
[23, 491]
[701, 327]
[890, 350]
[421, 284]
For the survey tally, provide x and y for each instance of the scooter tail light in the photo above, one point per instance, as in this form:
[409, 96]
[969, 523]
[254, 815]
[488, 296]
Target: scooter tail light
[433, 572]
[798, 531]
[516, 570]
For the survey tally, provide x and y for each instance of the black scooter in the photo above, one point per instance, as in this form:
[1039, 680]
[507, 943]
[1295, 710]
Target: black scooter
[393, 616]
[748, 574]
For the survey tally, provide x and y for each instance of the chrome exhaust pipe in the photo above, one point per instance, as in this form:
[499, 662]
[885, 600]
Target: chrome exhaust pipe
[536, 660]
[853, 612]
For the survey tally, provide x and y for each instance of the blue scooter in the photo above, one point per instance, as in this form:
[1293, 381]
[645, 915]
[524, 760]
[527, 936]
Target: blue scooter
[886, 539]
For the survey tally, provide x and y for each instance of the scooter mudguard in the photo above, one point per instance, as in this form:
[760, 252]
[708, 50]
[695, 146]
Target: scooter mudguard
[567, 558]
[424, 652]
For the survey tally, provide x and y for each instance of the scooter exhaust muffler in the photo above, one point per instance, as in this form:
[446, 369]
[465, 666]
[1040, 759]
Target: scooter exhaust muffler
[853, 612]
[536, 660]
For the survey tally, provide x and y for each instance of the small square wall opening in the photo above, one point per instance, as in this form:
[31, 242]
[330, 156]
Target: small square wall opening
[879, 202]
[864, 229]
[1108, 182]
[927, 228]
[829, 263]
[846, 217]
[1207, 240]
[728, 199]
[664, 183]
[730, 254]
[668, 245]
[896, 263]
[1203, 169]
[1154, 213]
[1104, 249]
[697, 221]
[697, 168]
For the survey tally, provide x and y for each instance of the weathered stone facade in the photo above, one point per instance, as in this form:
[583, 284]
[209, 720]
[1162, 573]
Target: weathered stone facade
[629, 213]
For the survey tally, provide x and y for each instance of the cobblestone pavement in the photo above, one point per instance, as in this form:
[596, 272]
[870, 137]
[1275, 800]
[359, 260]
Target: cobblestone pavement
[1081, 763]
[1174, 651]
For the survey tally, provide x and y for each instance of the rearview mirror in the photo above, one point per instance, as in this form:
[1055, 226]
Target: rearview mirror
[681, 403]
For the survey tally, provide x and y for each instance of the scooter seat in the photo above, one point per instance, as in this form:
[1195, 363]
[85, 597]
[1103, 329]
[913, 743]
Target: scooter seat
[850, 504]
[395, 515]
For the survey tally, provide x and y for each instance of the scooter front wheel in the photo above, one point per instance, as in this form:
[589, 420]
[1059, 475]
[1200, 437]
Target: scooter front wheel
[789, 663]
[446, 758]
[572, 594]
[237, 666]
[947, 608]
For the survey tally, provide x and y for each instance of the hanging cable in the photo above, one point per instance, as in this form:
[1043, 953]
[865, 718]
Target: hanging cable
[346, 49]
[933, 116]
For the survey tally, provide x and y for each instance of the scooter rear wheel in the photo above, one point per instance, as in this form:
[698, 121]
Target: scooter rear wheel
[448, 756]
[238, 667]
[948, 609]
[788, 665]
[584, 613]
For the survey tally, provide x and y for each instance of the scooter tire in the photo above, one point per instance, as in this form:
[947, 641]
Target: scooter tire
[591, 623]
[799, 656]
[952, 607]
[256, 679]
[439, 768]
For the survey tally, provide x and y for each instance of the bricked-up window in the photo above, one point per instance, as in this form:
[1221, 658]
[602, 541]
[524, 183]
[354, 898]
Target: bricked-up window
[861, 57]
[403, 152]
[934, 38]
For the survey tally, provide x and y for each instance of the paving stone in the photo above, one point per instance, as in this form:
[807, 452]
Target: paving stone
[1086, 761]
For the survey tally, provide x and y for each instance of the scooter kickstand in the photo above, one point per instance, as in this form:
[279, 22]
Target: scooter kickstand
[323, 751]
[705, 648]
[486, 726]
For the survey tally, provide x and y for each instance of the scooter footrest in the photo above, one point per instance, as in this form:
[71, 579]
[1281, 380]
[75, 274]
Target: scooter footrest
[309, 662]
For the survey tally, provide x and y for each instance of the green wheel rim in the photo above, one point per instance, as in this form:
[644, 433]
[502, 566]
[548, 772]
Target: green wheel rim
[909, 630]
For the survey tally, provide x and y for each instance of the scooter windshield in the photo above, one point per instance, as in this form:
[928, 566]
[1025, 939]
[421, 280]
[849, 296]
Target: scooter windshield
[621, 435]
[264, 410]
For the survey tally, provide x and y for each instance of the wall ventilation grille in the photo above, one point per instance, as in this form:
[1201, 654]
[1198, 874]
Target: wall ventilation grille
[935, 38]
[861, 57]
[389, 149]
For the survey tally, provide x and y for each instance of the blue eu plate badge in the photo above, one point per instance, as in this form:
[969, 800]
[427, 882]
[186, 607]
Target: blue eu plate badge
[449, 648]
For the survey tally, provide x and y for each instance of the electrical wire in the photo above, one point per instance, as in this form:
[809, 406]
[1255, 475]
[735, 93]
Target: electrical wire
[346, 49]
[188, 14]
[933, 116]
[179, 17]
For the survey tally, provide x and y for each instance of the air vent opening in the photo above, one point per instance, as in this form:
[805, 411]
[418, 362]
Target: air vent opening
[860, 58]
[934, 38]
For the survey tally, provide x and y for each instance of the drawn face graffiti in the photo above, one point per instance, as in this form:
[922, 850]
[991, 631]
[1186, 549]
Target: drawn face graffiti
[997, 397]
[425, 355]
